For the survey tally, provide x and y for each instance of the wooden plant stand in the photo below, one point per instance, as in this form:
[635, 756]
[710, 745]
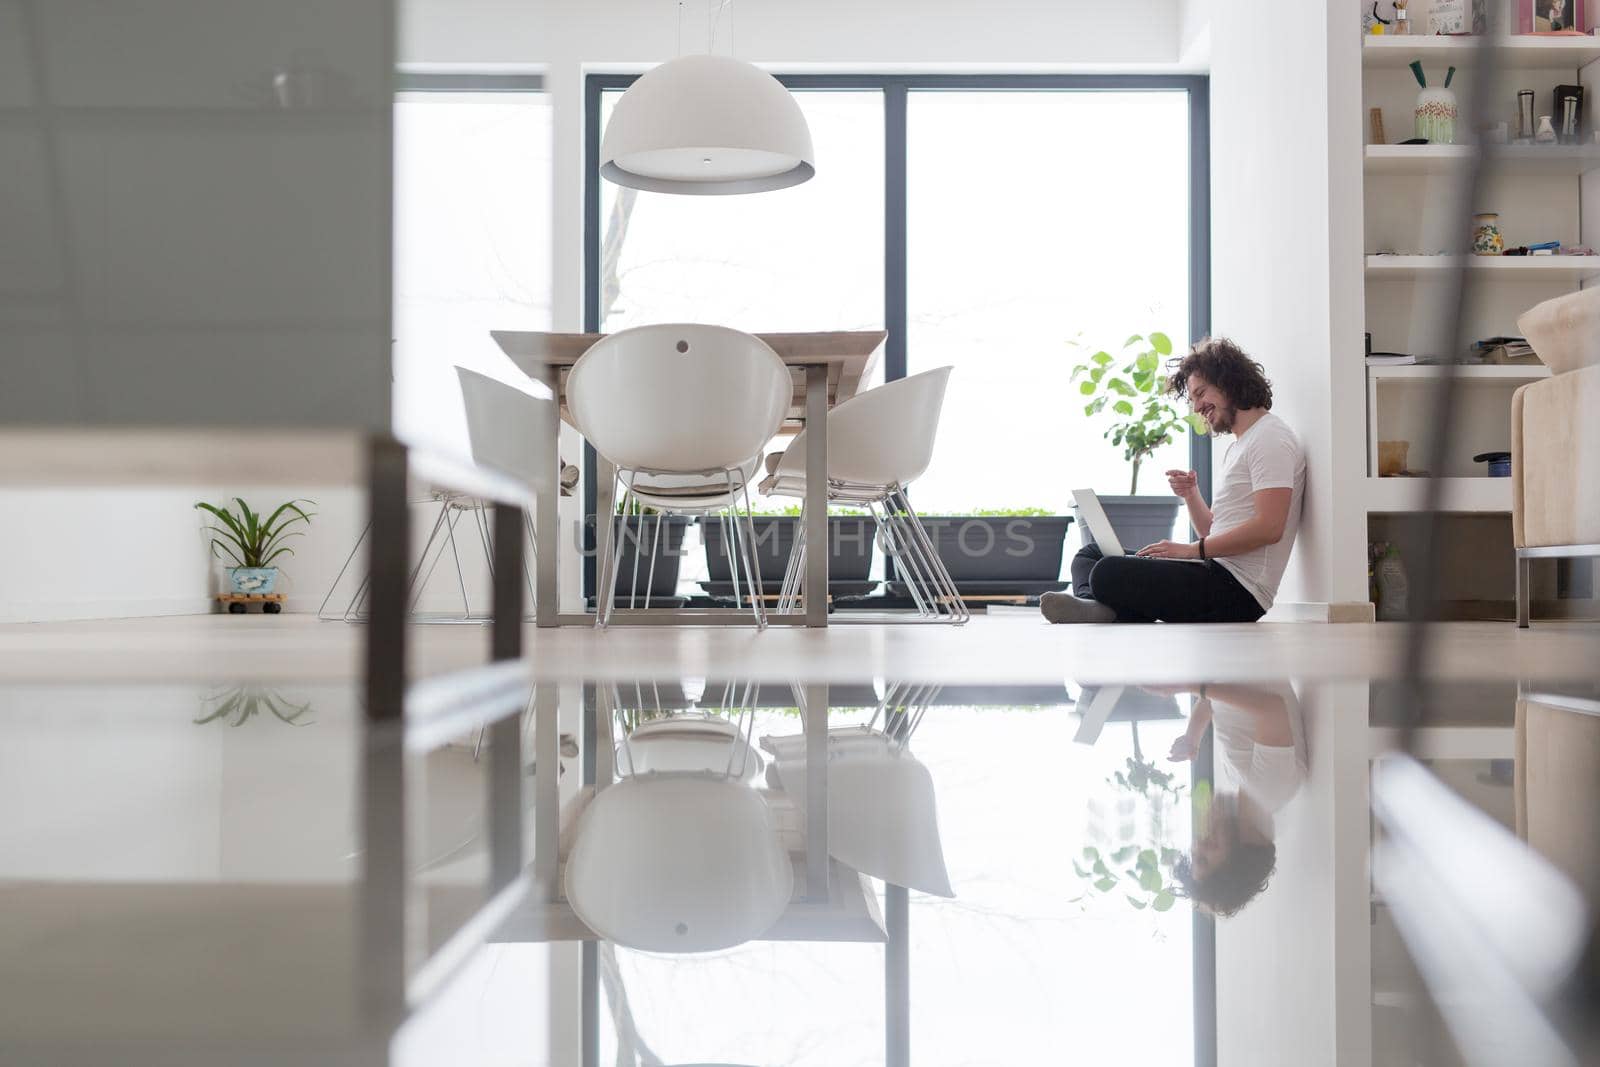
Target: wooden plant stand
[239, 603]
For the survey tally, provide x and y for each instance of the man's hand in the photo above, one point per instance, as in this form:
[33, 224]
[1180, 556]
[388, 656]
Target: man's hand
[1170, 550]
[1182, 750]
[1182, 483]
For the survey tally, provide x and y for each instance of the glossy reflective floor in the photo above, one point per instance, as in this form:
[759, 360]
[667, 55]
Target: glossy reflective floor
[1089, 863]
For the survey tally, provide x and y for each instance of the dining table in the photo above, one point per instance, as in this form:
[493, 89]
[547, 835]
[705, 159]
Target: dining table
[828, 367]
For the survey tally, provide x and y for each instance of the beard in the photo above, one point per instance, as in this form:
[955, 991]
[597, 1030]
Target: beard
[1222, 418]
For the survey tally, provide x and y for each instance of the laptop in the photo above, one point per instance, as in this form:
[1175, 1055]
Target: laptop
[1094, 516]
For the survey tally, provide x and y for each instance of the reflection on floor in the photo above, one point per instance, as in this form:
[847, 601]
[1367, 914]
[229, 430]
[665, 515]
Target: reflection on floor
[758, 868]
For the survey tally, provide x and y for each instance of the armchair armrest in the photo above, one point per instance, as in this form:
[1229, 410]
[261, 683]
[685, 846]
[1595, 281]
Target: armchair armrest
[1555, 460]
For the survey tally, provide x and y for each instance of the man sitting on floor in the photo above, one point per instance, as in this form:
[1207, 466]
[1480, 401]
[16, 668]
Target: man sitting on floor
[1232, 572]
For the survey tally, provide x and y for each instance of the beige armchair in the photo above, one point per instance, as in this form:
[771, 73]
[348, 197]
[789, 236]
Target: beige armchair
[1555, 439]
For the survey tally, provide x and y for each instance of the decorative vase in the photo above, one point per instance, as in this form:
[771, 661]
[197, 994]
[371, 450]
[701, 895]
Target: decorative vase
[1436, 108]
[1486, 239]
[1546, 132]
[253, 579]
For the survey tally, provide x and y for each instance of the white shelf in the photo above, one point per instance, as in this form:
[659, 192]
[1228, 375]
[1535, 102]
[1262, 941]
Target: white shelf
[1431, 159]
[1467, 375]
[1400, 496]
[1519, 52]
[1571, 269]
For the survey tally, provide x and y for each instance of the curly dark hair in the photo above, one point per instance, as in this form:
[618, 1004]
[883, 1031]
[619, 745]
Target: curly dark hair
[1233, 884]
[1225, 365]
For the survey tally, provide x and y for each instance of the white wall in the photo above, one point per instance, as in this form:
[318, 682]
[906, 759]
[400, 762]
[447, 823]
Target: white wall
[1286, 256]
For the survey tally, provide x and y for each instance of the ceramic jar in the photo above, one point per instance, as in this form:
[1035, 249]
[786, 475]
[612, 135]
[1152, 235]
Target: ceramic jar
[1436, 115]
[1486, 239]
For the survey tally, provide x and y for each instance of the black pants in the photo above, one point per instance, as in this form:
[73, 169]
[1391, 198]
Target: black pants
[1162, 590]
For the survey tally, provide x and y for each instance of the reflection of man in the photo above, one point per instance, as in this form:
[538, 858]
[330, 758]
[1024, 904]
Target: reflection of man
[1260, 762]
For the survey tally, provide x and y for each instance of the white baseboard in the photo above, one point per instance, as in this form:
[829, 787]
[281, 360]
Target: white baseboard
[71, 610]
[1317, 611]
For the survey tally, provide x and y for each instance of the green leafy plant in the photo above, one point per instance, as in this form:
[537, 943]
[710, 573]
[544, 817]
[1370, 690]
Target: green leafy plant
[1103, 874]
[239, 704]
[1132, 386]
[246, 540]
[997, 513]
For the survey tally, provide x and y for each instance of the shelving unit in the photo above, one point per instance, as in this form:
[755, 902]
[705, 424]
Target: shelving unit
[1542, 53]
[1566, 269]
[1414, 201]
[1455, 159]
[1462, 496]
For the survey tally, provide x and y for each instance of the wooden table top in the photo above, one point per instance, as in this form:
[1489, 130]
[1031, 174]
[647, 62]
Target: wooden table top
[849, 355]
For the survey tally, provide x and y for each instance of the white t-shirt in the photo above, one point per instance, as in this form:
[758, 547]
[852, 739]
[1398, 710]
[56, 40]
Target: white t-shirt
[1267, 456]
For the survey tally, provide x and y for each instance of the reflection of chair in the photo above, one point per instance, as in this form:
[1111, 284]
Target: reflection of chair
[1558, 784]
[1555, 447]
[682, 853]
[502, 427]
[882, 816]
[682, 412]
[878, 443]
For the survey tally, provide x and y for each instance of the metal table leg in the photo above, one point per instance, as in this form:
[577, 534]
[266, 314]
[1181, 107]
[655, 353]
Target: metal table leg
[546, 789]
[546, 517]
[897, 977]
[816, 503]
[816, 732]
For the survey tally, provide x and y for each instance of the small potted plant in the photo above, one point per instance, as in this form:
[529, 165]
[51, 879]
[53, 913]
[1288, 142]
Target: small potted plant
[251, 544]
[999, 551]
[1132, 388]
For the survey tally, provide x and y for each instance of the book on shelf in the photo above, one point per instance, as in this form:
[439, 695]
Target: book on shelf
[1391, 359]
[1505, 351]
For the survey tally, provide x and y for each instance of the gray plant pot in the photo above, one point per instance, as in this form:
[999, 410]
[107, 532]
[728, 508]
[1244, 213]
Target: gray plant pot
[849, 560]
[1138, 520]
[998, 555]
[637, 545]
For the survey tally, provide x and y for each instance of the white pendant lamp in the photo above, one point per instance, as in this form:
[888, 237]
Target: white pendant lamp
[707, 125]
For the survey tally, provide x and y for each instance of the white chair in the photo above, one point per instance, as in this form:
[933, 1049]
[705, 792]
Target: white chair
[882, 814]
[682, 854]
[503, 424]
[683, 412]
[878, 443]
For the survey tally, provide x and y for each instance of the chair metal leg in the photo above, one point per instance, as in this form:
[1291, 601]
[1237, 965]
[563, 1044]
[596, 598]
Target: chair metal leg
[461, 577]
[752, 570]
[796, 567]
[729, 533]
[894, 547]
[638, 542]
[1524, 591]
[655, 545]
[604, 608]
[340, 576]
[419, 577]
[944, 587]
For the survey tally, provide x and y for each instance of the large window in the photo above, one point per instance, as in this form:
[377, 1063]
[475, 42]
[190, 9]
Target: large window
[1038, 222]
[472, 239]
[991, 224]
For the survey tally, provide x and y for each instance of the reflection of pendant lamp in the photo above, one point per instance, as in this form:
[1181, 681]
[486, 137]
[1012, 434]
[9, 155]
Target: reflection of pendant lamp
[707, 125]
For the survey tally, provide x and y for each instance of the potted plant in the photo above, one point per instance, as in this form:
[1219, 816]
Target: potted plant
[999, 551]
[1132, 388]
[251, 543]
[849, 551]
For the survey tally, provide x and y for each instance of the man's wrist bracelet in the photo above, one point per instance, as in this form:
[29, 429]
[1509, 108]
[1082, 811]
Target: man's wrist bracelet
[1202, 548]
